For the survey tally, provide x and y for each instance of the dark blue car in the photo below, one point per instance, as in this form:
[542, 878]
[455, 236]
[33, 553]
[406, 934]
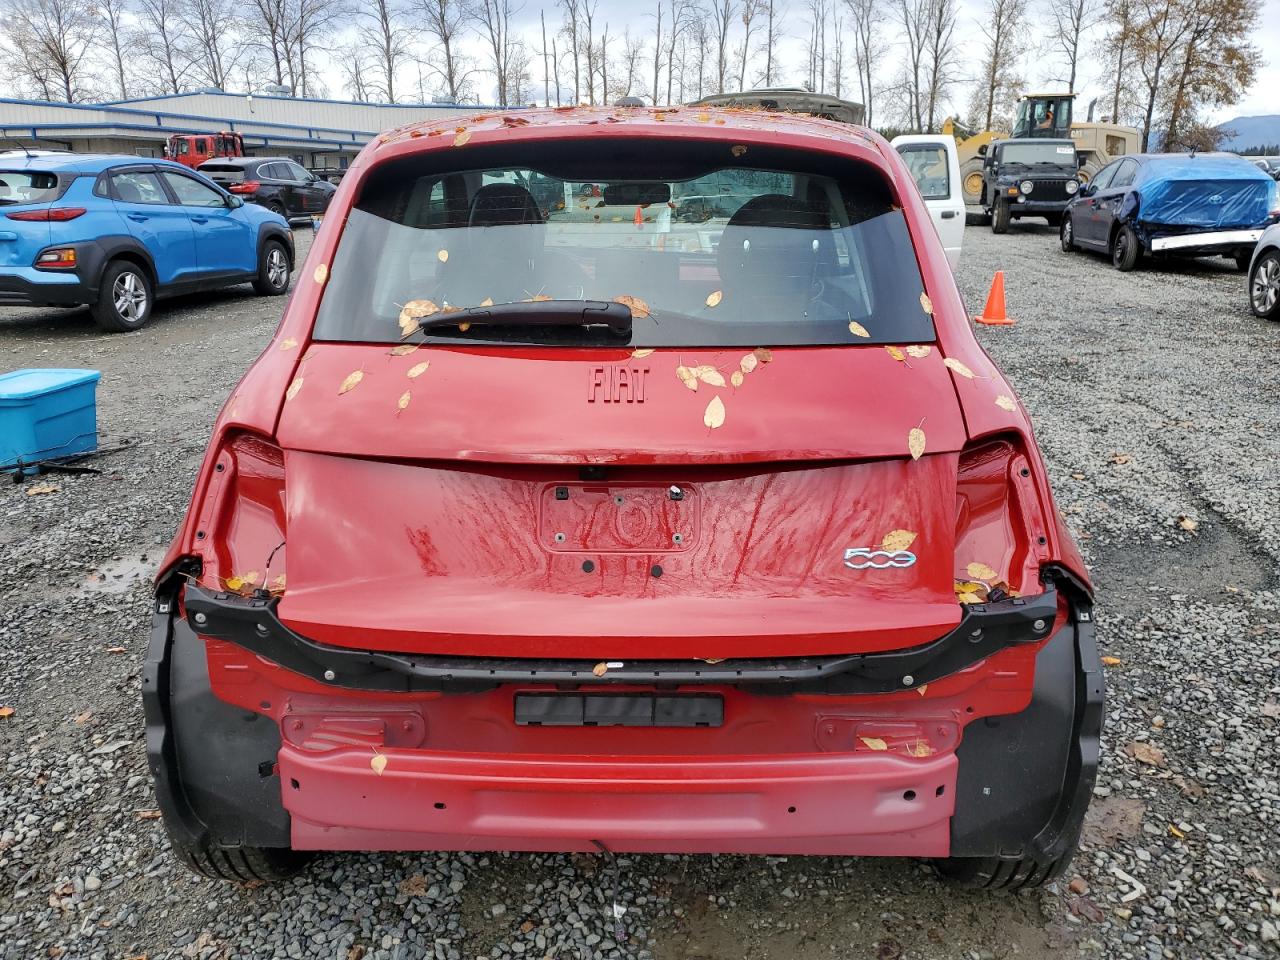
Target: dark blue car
[116, 233]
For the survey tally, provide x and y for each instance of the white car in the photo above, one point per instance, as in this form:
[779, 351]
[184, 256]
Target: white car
[935, 165]
[1264, 275]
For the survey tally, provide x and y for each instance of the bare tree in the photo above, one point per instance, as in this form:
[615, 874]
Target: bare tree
[773, 12]
[680, 16]
[269, 31]
[1119, 16]
[1069, 20]
[112, 13]
[866, 17]
[1001, 29]
[546, 71]
[817, 53]
[445, 22]
[586, 37]
[50, 41]
[722, 14]
[632, 52]
[940, 60]
[657, 49]
[165, 41]
[385, 34]
[837, 57]
[1158, 32]
[509, 59]
[913, 18]
[355, 72]
[602, 63]
[214, 39]
[572, 32]
[751, 10]
[316, 20]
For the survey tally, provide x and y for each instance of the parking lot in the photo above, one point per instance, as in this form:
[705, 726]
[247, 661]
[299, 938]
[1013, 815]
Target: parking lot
[1154, 396]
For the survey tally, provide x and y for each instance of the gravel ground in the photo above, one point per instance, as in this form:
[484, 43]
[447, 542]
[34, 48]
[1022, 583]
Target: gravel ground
[1155, 396]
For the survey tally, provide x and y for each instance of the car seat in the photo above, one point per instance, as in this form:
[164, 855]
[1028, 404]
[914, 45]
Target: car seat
[771, 252]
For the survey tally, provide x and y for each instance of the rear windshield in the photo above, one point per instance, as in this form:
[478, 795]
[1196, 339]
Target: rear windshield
[24, 186]
[223, 172]
[1043, 152]
[706, 248]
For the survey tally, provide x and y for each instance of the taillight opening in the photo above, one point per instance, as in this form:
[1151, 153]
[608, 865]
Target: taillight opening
[48, 214]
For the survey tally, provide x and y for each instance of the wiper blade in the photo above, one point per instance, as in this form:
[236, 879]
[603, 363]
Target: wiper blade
[538, 313]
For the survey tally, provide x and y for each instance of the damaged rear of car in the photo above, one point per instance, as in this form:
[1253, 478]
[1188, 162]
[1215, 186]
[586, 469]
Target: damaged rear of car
[542, 528]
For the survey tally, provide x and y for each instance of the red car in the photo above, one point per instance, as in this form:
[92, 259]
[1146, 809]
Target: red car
[552, 523]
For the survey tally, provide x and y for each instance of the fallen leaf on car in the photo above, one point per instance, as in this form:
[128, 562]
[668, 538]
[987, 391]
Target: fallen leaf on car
[538, 298]
[277, 585]
[1111, 661]
[920, 749]
[42, 489]
[926, 304]
[1146, 753]
[293, 389]
[874, 743]
[919, 350]
[6, 711]
[915, 443]
[486, 302]
[980, 571]
[461, 139]
[951, 363]
[600, 669]
[896, 540]
[638, 307]
[714, 298]
[418, 369]
[415, 309]
[713, 417]
[687, 377]
[641, 354]
[287, 344]
[403, 350]
[763, 354]
[464, 326]
[857, 329]
[322, 273]
[967, 598]
[238, 583]
[1187, 524]
[709, 375]
[442, 256]
[738, 150]
[703, 118]
[1006, 403]
[922, 688]
[736, 378]
[403, 402]
[353, 378]
[378, 763]
[748, 363]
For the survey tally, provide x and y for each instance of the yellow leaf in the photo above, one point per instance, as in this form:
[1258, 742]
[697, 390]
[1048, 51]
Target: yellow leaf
[709, 375]
[736, 378]
[857, 329]
[461, 139]
[874, 743]
[703, 118]
[600, 669]
[969, 598]
[238, 583]
[980, 571]
[1006, 403]
[748, 363]
[1187, 524]
[378, 762]
[641, 354]
[919, 350]
[951, 363]
[922, 688]
[6, 711]
[1176, 832]
[322, 273]
[895, 353]
[714, 298]
[353, 378]
[293, 389]
[714, 415]
[44, 488]
[1147, 753]
[915, 443]
[738, 150]
[1111, 661]
[687, 377]
[403, 350]
[464, 326]
[442, 256]
[403, 401]
[763, 354]
[539, 298]
[418, 369]
[277, 585]
[926, 304]
[896, 540]
[919, 749]
[287, 344]
[487, 302]
[639, 308]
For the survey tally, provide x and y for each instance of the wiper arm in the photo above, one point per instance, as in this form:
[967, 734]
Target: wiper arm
[538, 313]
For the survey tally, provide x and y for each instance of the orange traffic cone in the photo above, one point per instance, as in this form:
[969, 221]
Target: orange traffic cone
[993, 314]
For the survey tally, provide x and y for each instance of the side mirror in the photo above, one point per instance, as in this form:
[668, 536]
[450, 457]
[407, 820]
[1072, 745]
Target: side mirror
[1087, 190]
[982, 150]
[234, 202]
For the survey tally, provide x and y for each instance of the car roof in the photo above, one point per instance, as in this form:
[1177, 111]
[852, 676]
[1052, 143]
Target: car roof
[1052, 141]
[246, 161]
[83, 163]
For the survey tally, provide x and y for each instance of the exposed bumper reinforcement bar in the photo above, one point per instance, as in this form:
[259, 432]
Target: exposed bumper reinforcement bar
[984, 629]
[1218, 238]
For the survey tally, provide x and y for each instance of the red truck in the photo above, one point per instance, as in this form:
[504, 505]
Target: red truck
[193, 149]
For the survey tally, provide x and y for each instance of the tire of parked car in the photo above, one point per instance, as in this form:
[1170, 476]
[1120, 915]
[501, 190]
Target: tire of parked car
[1000, 217]
[1126, 249]
[1067, 235]
[1242, 260]
[275, 206]
[1264, 286]
[125, 297]
[273, 269]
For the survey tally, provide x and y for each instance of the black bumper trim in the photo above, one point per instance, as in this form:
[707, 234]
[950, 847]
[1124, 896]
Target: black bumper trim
[984, 629]
[19, 291]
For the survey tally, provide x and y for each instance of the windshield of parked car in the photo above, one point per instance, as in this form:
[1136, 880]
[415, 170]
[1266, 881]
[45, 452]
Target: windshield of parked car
[23, 186]
[709, 254]
[1038, 152]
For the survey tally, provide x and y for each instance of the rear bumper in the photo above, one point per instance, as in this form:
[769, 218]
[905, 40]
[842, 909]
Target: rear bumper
[26, 286]
[821, 804]
[1218, 241]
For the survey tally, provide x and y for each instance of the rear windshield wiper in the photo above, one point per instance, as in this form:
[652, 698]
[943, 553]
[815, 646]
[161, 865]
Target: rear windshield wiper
[538, 313]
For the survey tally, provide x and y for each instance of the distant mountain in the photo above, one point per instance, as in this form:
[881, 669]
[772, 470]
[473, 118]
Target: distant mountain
[1244, 133]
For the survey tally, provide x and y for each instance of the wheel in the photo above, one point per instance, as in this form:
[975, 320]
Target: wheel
[273, 270]
[1264, 286]
[240, 864]
[275, 206]
[971, 180]
[1000, 217]
[1126, 249]
[1066, 234]
[125, 297]
[992, 873]
[1242, 260]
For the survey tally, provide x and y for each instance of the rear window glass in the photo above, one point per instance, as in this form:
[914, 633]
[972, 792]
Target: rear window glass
[929, 168]
[223, 172]
[707, 250]
[24, 186]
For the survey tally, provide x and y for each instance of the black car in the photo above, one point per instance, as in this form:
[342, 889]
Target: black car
[276, 183]
[1028, 178]
[1172, 205]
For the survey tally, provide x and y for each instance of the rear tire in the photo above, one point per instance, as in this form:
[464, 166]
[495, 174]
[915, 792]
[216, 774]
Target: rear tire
[241, 864]
[1126, 249]
[1067, 234]
[1001, 217]
[1264, 286]
[992, 873]
[1242, 260]
[277, 207]
[125, 297]
[273, 270]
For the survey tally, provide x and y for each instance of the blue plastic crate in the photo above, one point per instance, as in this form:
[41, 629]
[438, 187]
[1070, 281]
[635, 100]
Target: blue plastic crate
[47, 415]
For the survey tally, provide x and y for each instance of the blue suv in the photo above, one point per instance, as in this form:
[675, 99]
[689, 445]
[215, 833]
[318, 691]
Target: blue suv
[116, 233]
